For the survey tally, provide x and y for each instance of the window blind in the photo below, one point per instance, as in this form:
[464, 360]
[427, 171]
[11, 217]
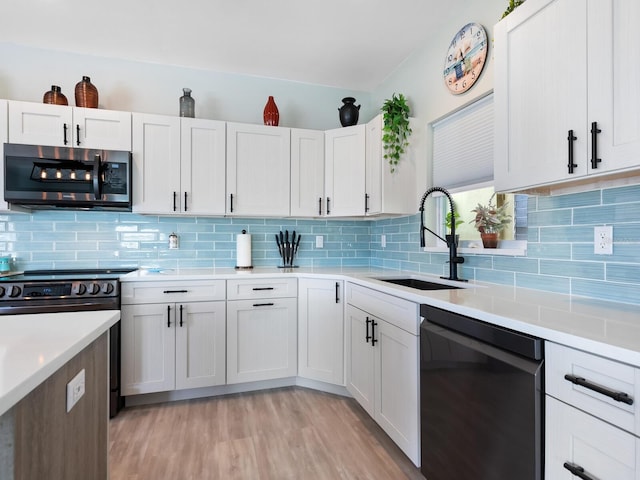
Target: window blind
[463, 146]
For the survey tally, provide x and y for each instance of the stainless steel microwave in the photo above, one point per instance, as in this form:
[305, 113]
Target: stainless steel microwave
[62, 177]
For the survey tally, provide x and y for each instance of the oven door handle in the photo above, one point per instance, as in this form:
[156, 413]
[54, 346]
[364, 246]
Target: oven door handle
[97, 181]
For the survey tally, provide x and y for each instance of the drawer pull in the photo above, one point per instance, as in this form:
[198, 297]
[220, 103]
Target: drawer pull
[578, 471]
[368, 337]
[176, 291]
[263, 304]
[257, 289]
[617, 396]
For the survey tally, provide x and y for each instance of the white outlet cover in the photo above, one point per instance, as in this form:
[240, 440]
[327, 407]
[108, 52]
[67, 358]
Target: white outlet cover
[319, 241]
[75, 390]
[603, 240]
[383, 241]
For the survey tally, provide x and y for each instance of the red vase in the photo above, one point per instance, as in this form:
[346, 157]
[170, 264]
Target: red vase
[271, 115]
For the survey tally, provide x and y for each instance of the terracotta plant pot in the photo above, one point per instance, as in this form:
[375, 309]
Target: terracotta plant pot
[489, 240]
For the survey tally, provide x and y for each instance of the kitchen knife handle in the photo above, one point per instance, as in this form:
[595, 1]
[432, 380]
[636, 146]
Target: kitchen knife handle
[337, 292]
[78, 134]
[367, 336]
[185, 201]
[616, 395]
[594, 145]
[231, 203]
[571, 138]
[578, 471]
[180, 315]
[174, 201]
[320, 206]
[64, 131]
[168, 316]
[328, 206]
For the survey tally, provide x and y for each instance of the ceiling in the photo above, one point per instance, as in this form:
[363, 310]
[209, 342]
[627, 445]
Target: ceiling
[350, 44]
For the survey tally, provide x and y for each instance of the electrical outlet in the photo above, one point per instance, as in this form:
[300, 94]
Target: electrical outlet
[319, 241]
[75, 390]
[603, 240]
[383, 241]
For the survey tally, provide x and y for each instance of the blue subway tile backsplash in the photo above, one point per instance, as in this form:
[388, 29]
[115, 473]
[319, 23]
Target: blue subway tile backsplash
[559, 257]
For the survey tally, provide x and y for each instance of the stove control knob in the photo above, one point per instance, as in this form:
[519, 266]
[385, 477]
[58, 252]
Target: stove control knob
[15, 291]
[81, 289]
[2, 291]
[107, 288]
[94, 289]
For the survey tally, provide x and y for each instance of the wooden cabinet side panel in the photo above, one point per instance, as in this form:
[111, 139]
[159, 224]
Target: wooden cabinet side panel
[51, 443]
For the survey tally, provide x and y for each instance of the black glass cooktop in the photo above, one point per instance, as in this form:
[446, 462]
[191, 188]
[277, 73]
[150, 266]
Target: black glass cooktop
[75, 274]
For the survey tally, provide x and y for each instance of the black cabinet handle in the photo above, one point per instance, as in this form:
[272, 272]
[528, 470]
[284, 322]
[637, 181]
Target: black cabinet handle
[328, 206]
[180, 315]
[168, 316]
[617, 396]
[257, 289]
[77, 134]
[366, 202]
[578, 471]
[337, 292]
[571, 138]
[368, 337]
[594, 145]
[185, 201]
[263, 304]
[64, 131]
[175, 208]
[175, 291]
[374, 340]
[231, 203]
[320, 206]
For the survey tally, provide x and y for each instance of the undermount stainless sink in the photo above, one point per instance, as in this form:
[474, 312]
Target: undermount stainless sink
[419, 284]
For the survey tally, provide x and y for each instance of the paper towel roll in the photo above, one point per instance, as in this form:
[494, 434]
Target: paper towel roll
[243, 250]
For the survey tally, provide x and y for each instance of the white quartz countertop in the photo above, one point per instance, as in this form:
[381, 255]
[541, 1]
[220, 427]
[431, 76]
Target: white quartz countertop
[33, 347]
[605, 328]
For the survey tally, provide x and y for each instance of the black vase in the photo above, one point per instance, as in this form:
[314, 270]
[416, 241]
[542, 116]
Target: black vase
[349, 112]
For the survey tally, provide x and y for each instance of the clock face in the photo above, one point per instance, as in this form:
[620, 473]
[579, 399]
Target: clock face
[465, 58]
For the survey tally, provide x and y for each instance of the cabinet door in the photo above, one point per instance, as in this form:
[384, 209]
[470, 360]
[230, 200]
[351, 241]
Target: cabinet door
[396, 394]
[614, 77]
[321, 330]
[148, 348]
[40, 124]
[360, 359]
[156, 163]
[345, 171]
[262, 339]
[4, 137]
[578, 439]
[540, 93]
[202, 161]
[258, 170]
[103, 129]
[200, 344]
[307, 173]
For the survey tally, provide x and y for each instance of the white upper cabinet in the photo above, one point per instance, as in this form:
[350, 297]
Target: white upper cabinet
[258, 170]
[389, 192]
[345, 171]
[179, 165]
[307, 172]
[63, 126]
[566, 92]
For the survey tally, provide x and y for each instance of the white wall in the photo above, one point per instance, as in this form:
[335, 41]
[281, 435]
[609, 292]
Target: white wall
[27, 73]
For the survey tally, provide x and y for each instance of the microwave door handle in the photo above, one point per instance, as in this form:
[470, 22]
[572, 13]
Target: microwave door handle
[97, 183]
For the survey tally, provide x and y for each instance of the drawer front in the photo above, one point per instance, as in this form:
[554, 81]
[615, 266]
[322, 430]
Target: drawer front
[182, 291]
[582, 441]
[262, 288]
[600, 374]
[396, 311]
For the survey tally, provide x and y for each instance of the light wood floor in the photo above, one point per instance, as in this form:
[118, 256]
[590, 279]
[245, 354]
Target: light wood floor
[289, 433]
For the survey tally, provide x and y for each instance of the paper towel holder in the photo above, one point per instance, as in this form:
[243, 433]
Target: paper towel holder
[244, 267]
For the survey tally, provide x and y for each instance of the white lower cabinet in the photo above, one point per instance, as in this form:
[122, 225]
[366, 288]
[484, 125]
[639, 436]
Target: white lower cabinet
[321, 330]
[383, 366]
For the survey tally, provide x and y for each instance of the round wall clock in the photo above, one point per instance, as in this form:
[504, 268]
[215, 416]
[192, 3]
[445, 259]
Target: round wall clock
[465, 58]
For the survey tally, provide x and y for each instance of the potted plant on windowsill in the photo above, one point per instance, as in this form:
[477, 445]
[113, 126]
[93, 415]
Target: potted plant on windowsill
[448, 223]
[490, 220]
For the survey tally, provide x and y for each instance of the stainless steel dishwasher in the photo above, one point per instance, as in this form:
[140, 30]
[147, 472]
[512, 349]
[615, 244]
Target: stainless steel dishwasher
[481, 400]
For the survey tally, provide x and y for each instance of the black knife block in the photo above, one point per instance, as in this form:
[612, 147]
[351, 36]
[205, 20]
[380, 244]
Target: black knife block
[287, 250]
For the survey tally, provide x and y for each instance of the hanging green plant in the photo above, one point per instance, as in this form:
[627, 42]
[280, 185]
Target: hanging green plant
[513, 4]
[395, 129]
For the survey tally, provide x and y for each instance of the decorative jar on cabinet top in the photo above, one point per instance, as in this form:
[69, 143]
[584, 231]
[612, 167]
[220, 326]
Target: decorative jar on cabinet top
[55, 96]
[271, 115]
[86, 93]
[187, 104]
[349, 112]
